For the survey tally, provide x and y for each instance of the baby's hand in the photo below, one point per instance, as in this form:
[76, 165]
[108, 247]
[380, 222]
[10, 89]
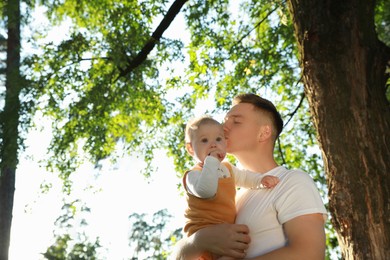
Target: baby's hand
[218, 154]
[269, 181]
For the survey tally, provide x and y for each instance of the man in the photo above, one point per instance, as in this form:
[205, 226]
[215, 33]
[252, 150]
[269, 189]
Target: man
[286, 222]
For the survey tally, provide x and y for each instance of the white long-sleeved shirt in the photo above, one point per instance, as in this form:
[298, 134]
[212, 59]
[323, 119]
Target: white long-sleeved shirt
[204, 184]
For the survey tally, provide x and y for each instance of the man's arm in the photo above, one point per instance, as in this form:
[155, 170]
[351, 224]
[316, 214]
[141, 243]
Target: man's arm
[306, 239]
[221, 239]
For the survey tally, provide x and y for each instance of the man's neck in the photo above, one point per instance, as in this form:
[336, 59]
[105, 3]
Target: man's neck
[260, 162]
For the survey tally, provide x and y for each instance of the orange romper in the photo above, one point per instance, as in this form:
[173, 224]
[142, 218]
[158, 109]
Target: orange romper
[221, 208]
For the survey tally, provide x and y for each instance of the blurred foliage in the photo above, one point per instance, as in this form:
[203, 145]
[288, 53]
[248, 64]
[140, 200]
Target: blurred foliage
[84, 250]
[382, 20]
[149, 238]
[68, 246]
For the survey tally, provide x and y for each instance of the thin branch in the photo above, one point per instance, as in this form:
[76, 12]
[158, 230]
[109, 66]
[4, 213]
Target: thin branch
[291, 115]
[281, 152]
[96, 58]
[256, 26]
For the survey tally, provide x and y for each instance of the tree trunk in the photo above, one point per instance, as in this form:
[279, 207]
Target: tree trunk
[344, 66]
[9, 126]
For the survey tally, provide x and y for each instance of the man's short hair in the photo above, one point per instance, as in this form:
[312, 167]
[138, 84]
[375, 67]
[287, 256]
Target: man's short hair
[264, 105]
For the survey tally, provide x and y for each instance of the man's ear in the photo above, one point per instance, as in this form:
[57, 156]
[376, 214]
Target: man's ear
[265, 132]
[189, 149]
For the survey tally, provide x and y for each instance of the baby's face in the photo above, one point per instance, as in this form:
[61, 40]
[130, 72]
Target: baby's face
[209, 139]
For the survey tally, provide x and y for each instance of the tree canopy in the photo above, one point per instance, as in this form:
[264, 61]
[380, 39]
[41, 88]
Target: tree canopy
[81, 82]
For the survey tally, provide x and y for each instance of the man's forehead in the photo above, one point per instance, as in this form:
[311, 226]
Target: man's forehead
[231, 115]
[239, 110]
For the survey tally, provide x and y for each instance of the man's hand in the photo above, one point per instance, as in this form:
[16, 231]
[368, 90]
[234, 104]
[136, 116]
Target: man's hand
[229, 240]
[224, 239]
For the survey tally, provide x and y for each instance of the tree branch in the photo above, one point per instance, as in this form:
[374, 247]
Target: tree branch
[142, 55]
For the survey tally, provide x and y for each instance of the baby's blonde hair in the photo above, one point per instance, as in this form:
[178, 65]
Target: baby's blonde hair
[194, 124]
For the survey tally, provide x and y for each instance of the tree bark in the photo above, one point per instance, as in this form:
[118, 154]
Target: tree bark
[344, 67]
[9, 126]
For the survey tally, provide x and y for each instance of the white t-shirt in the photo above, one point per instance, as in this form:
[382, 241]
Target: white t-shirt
[265, 210]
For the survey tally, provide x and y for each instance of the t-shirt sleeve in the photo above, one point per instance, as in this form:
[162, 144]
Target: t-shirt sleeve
[298, 196]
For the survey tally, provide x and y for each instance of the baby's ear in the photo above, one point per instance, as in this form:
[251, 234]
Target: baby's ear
[189, 149]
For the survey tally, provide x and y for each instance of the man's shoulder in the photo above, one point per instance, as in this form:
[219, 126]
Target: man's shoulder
[293, 175]
[283, 170]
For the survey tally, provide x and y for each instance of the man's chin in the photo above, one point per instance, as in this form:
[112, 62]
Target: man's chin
[230, 149]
